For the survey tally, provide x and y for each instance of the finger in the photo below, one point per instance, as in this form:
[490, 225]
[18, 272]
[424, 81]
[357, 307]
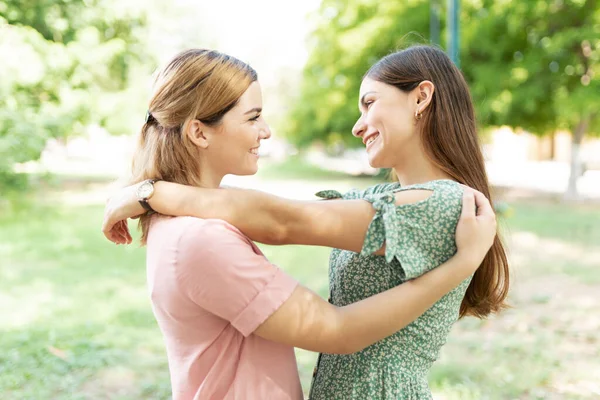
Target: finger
[112, 236]
[484, 208]
[468, 205]
[123, 233]
[465, 187]
[119, 232]
[116, 236]
[126, 234]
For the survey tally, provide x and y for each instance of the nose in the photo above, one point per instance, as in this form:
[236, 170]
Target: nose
[359, 127]
[265, 131]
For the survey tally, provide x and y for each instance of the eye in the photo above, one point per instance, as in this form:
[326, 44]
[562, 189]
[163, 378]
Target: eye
[368, 104]
[255, 118]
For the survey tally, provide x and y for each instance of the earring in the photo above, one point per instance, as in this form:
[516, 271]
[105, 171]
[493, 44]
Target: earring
[418, 115]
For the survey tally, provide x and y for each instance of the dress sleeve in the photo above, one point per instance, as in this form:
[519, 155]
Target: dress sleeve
[418, 235]
[352, 194]
[355, 194]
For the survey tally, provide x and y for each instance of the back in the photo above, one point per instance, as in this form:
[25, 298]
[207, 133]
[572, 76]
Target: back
[211, 287]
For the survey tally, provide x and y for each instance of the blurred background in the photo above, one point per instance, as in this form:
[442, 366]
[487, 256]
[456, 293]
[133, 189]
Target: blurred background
[75, 76]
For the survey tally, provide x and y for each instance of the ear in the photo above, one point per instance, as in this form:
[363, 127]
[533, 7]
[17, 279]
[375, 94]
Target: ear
[198, 133]
[424, 94]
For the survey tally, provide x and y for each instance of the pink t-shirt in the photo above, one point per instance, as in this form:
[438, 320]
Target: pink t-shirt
[211, 287]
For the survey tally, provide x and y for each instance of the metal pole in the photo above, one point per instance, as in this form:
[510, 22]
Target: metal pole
[434, 21]
[454, 31]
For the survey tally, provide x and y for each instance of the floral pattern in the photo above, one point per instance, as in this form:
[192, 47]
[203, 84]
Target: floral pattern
[418, 238]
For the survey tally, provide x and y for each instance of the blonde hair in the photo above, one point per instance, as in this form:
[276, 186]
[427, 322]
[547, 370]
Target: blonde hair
[196, 84]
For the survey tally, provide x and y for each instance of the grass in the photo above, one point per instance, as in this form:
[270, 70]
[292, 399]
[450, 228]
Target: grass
[74, 308]
[576, 224]
[76, 323]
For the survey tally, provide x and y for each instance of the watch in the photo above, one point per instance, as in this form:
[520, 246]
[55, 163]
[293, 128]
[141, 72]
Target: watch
[144, 192]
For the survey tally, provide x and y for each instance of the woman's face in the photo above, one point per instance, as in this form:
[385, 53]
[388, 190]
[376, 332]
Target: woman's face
[387, 122]
[233, 146]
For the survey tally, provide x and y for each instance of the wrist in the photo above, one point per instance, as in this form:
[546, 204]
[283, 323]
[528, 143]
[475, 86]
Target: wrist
[170, 199]
[156, 201]
[468, 260]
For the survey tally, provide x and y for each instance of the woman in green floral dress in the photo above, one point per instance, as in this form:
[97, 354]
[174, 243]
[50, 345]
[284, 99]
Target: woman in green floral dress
[416, 118]
[396, 367]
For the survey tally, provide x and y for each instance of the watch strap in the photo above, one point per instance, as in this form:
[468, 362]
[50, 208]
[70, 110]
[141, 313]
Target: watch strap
[144, 203]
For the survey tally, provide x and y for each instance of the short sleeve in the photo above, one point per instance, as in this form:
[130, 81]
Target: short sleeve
[352, 194]
[355, 194]
[421, 236]
[220, 269]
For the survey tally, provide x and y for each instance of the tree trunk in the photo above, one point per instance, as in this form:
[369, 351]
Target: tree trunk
[576, 164]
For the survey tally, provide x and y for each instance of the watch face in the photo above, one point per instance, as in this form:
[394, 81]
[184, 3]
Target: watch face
[145, 190]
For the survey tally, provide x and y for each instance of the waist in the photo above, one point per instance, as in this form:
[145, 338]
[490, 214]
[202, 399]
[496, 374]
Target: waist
[407, 363]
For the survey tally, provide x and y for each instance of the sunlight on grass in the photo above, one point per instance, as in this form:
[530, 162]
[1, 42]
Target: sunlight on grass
[575, 224]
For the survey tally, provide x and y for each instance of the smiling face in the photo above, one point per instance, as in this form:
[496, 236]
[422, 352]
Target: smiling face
[232, 145]
[233, 149]
[387, 122]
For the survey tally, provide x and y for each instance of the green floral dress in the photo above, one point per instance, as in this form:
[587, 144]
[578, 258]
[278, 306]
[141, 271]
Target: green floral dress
[418, 238]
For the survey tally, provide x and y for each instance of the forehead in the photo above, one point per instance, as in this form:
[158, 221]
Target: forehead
[370, 85]
[251, 98]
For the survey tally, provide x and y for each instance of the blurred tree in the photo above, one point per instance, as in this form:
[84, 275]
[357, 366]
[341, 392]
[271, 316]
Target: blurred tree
[535, 65]
[65, 64]
[531, 64]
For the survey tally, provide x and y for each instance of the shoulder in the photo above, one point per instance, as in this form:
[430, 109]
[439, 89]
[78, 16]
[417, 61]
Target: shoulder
[442, 197]
[197, 231]
[446, 199]
[192, 238]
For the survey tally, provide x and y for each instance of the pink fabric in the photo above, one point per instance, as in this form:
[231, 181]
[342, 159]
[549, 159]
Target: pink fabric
[211, 287]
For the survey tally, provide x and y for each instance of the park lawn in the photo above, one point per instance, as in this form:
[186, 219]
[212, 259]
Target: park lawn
[76, 321]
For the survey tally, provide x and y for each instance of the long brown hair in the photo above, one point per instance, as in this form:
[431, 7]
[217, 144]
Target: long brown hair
[196, 84]
[449, 136]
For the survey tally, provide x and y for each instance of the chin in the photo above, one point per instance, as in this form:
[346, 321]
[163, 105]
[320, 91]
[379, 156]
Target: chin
[375, 162]
[380, 159]
[247, 171]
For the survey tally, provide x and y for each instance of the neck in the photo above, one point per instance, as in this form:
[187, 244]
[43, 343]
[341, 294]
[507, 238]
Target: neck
[209, 178]
[417, 168]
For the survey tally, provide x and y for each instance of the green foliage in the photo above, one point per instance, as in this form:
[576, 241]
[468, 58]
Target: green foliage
[530, 64]
[534, 64]
[65, 64]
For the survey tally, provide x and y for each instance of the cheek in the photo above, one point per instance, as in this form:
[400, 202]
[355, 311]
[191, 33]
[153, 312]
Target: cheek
[400, 125]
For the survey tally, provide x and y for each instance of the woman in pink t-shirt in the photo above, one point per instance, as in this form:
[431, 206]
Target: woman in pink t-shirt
[229, 317]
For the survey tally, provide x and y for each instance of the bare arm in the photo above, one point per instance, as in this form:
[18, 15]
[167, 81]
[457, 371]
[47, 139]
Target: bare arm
[309, 322]
[271, 219]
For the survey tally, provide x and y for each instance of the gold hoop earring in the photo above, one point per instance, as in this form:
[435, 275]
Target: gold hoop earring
[418, 115]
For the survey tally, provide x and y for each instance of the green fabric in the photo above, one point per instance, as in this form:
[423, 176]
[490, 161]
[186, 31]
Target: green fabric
[418, 238]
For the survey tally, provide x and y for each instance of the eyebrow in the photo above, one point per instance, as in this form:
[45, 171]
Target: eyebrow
[255, 109]
[362, 99]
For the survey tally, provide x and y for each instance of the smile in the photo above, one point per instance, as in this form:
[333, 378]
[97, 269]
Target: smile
[254, 151]
[371, 139]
